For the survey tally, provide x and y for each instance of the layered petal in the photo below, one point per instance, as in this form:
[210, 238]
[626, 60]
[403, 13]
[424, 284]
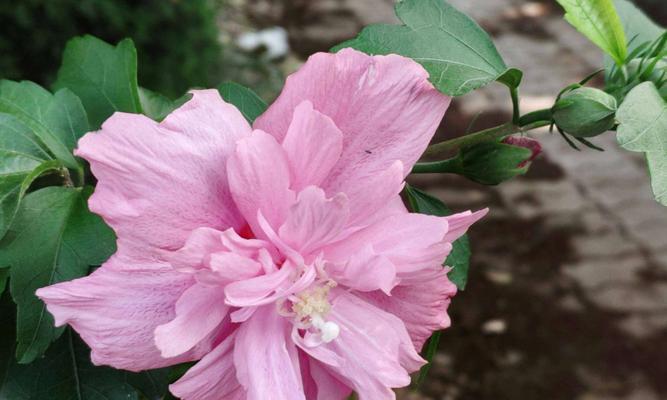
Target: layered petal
[376, 194]
[259, 177]
[314, 220]
[318, 383]
[410, 241]
[384, 106]
[266, 360]
[459, 223]
[158, 182]
[218, 258]
[365, 271]
[213, 377]
[420, 301]
[313, 145]
[116, 311]
[374, 350]
[199, 311]
[265, 289]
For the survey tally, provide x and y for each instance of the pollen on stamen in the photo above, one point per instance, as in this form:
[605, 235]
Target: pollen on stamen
[310, 308]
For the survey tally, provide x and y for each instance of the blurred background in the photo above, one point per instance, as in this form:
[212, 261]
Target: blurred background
[567, 297]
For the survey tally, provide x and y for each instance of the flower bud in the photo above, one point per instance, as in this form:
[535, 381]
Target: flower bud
[585, 112]
[490, 163]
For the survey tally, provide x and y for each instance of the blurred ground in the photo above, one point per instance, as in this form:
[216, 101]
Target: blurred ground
[567, 297]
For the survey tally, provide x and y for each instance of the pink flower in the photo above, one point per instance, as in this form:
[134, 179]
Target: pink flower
[281, 258]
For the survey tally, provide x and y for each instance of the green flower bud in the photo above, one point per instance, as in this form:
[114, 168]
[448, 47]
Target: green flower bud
[490, 163]
[585, 112]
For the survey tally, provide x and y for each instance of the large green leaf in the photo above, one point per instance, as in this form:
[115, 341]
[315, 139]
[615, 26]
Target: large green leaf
[249, 103]
[157, 106]
[599, 22]
[657, 167]
[4, 274]
[22, 159]
[102, 75]
[58, 120]
[638, 27]
[152, 384]
[65, 373]
[459, 258]
[454, 49]
[642, 127]
[53, 238]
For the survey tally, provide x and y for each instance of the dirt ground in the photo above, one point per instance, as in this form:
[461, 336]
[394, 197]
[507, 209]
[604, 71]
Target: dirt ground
[567, 296]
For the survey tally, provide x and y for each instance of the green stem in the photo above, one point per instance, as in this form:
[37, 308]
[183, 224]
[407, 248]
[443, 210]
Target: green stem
[535, 116]
[450, 165]
[514, 93]
[64, 172]
[443, 149]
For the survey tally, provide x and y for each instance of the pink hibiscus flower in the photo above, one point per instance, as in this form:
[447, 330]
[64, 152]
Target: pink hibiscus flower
[281, 258]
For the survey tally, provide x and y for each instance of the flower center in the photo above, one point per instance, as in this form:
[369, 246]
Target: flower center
[310, 308]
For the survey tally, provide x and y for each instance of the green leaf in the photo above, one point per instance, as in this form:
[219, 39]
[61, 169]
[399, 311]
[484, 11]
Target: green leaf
[511, 78]
[53, 238]
[153, 384]
[638, 27]
[459, 258]
[4, 274]
[58, 121]
[599, 22]
[643, 120]
[657, 167]
[157, 106]
[65, 372]
[7, 335]
[458, 55]
[249, 103]
[429, 353]
[103, 76]
[22, 160]
[642, 127]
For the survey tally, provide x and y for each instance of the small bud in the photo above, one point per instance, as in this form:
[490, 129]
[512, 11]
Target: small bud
[585, 112]
[521, 141]
[490, 163]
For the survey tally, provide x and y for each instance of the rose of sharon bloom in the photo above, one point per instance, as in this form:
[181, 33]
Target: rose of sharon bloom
[281, 258]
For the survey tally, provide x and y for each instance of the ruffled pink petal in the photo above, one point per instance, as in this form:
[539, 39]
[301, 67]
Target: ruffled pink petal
[410, 241]
[266, 360]
[313, 221]
[231, 267]
[374, 196]
[213, 377]
[217, 258]
[420, 301]
[459, 223]
[259, 178]
[193, 256]
[313, 145]
[384, 106]
[365, 271]
[318, 383]
[158, 182]
[199, 310]
[374, 349]
[116, 311]
[265, 289]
